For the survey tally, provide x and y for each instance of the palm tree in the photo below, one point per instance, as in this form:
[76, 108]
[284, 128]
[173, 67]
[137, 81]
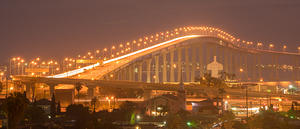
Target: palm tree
[1, 86]
[93, 103]
[14, 107]
[78, 87]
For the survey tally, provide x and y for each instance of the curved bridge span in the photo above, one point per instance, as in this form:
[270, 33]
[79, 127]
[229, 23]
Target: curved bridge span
[186, 52]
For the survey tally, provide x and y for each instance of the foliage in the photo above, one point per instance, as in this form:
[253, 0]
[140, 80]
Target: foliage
[268, 119]
[175, 121]
[179, 120]
[80, 114]
[1, 87]
[52, 107]
[14, 107]
[227, 119]
[126, 110]
[35, 116]
[78, 87]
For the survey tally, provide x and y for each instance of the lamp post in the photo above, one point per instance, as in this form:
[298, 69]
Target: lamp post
[109, 99]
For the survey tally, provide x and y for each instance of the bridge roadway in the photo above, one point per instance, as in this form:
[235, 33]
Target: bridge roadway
[110, 65]
[98, 70]
[191, 88]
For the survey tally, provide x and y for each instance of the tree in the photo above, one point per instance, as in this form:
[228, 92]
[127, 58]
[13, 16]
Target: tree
[78, 87]
[80, 114]
[58, 109]
[36, 116]
[126, 110]
[1, 87]
[53, 106]
[227, 119]
[175, 121]
[93, 103]
[218, 83]
[268, 119]
[14, 107]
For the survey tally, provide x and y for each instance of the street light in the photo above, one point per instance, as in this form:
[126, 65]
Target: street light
[271, 46]
[284, 48]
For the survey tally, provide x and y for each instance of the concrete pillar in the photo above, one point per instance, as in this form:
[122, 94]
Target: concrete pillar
[236, 65]
[28, 89]
[147, 94]
[208, 56]
[91, 91]
[172, 79]
[133, 72]
[130, 70]
[124, 76]
[179, 62]
[201, 61]
[230, 62]
[140, 72]
[51, 88]
[193, 64]
[149, 70]
[226, 60]
[33, 90]
[187, 65]
[156, 69]
[164, 72]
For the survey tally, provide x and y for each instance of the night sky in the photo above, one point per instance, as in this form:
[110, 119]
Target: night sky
[60, 28]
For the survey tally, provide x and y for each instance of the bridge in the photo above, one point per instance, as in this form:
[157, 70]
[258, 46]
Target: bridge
[159, 61]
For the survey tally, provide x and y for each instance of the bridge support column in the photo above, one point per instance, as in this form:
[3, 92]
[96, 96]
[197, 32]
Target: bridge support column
[187, 65]
[226, 60]
[230, 62]
[130, 72]
[148, 70]
[156, 69]
[147, 94]
[124, 74]
[193, 65]
[91, 92]
[140, 72]
[164, 73]
[179, 71]
[172, 79]
[28, 86]
[133, 72]
[208, 55]
[51, 88]
[33, 91]
[201, 61]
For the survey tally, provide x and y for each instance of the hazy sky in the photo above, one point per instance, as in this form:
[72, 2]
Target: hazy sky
[59, 28]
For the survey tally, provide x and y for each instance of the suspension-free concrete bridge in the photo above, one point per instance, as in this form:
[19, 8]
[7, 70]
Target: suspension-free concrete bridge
[167, 57]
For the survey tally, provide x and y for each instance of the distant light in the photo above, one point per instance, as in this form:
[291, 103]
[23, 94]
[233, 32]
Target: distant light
[138, 117]
[189, 123]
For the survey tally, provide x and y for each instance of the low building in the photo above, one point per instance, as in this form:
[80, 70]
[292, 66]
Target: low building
[162, 105]
[205, 107]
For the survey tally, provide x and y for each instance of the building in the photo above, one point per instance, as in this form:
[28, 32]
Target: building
[162, 105]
